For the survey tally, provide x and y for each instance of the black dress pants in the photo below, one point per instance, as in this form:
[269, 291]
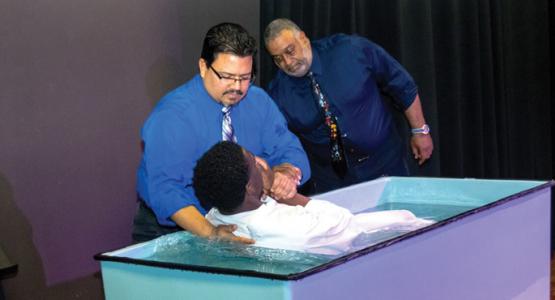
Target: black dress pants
[146, 227]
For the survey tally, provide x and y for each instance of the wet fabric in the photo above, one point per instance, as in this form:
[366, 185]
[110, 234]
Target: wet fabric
[319, 227]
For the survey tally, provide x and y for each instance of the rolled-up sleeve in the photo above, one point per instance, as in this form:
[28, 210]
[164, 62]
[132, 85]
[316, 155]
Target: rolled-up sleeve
[392, 77]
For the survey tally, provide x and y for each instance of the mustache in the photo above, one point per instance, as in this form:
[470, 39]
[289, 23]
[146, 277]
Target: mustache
[238, 92]
[292, 67]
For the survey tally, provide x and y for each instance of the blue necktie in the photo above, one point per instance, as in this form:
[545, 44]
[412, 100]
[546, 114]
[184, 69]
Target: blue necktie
[227, 128]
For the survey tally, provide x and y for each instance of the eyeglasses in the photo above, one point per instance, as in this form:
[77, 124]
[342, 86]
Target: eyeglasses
[227, 79]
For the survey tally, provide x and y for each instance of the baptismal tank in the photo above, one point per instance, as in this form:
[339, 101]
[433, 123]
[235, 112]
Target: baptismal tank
[491, 240]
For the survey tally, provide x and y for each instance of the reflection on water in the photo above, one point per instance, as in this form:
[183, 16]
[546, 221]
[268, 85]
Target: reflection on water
[184, 248]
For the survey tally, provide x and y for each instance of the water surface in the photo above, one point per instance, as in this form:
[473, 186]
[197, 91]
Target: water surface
[185, 248]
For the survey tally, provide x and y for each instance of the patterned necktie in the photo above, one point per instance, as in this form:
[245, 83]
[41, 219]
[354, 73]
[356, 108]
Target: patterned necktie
[227, 128]
[338, 161]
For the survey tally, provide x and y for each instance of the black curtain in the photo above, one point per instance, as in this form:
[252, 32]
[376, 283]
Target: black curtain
[482, 66]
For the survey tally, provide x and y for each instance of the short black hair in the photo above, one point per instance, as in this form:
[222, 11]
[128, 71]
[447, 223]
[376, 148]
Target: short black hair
[220, 177]
[228, 38]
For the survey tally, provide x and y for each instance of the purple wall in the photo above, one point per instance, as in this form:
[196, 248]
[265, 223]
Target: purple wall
[77, 79]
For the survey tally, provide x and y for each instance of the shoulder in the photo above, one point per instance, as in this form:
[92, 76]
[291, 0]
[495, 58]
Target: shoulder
[334, 41]
[258, 107]
[185, 97]
[279, 84]
[340, 43]
[257, 92]
[260, 100]
[283, 88]
[257, 98]
[274, 216]
[176, 106]
[181, 97]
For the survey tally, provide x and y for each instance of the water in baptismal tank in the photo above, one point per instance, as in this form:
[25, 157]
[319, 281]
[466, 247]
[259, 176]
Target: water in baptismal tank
[185, 248]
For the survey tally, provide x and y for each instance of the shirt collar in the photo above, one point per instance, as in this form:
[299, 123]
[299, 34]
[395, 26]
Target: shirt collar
[316, 66]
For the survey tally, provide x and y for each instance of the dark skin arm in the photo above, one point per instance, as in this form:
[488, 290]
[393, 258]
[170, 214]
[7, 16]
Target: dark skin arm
[421, 145]
[190, 219]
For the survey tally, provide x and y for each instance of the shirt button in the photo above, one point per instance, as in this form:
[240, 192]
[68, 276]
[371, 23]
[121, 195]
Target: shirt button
[344, 135]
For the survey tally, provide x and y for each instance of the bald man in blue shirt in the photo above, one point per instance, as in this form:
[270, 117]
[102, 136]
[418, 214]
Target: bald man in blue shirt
[351, 123]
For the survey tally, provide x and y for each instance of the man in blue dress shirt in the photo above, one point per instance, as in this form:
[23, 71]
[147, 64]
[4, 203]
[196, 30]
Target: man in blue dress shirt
[350, 72]
[189, 120]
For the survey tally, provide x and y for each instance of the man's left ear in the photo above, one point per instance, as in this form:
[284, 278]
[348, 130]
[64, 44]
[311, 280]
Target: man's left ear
[248, 189]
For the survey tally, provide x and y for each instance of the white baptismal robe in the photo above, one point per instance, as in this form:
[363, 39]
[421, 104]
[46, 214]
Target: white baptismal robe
[319, 227]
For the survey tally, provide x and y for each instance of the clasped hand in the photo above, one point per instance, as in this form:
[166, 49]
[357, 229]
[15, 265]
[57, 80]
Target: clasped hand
[286, 179]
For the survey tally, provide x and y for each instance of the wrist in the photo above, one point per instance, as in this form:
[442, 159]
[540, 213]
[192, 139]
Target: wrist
[425, 129]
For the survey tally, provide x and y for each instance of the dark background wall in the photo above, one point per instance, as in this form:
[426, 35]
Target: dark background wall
[77, 80]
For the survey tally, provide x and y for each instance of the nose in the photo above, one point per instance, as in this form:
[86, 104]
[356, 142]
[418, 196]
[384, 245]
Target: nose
[237, 83]
[287, 60]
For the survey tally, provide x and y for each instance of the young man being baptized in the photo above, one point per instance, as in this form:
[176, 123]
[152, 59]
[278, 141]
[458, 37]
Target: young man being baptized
[236, 184]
